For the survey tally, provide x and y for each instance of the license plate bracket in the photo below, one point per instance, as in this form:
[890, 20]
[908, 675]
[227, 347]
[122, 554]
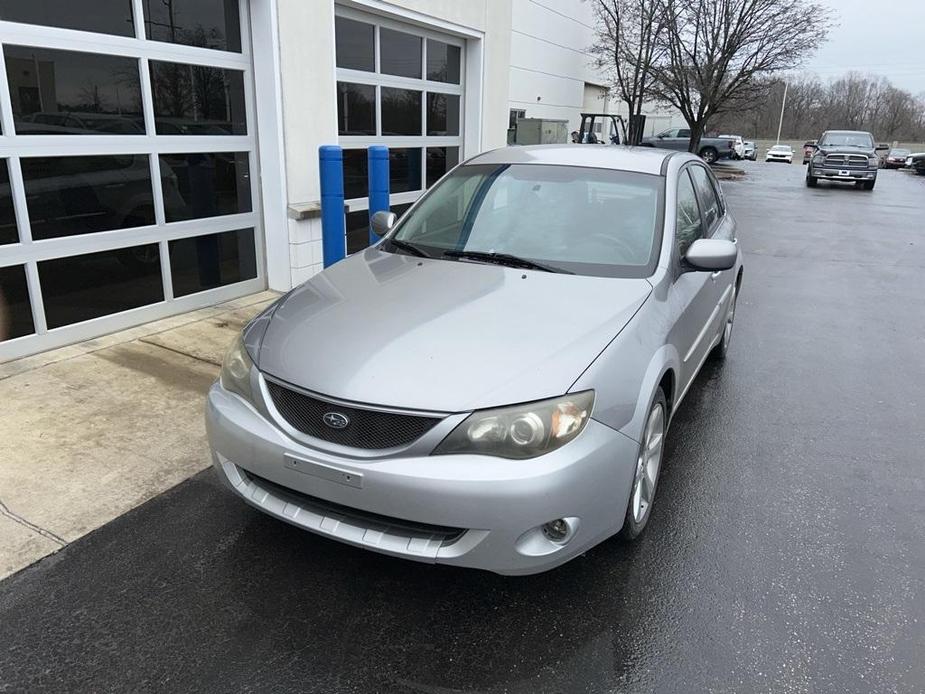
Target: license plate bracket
[330, 473]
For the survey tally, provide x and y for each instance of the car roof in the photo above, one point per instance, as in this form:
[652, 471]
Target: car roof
[847, 132]
[648, 160]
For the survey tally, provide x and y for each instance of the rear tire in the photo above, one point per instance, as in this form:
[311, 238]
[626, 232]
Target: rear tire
[709, 155]
[648, 467]
[719, 352]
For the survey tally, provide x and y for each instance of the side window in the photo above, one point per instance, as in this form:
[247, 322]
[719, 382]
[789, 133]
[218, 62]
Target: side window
[709, 201]
[683, 133]
[688, 227]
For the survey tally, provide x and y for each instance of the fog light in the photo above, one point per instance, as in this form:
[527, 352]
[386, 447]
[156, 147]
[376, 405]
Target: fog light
[558, 530]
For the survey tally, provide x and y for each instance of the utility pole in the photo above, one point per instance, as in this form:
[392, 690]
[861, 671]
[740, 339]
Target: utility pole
[783, 104]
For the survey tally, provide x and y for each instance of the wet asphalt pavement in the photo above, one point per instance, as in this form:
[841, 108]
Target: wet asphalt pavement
[786, 551]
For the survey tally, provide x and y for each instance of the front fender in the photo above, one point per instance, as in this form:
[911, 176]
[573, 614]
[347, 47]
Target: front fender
[626, 374]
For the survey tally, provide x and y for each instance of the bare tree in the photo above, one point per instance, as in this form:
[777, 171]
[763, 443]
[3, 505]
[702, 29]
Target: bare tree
[718, 51]
[851, 101]
[626, 47]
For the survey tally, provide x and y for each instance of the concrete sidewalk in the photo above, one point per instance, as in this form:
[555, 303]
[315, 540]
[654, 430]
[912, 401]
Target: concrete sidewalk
[90, 431]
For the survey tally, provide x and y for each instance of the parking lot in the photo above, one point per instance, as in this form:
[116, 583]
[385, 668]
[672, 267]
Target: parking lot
[785, 552]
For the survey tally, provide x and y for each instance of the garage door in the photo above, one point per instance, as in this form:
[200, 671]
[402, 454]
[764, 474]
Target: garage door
[127, 156]
[401, 85]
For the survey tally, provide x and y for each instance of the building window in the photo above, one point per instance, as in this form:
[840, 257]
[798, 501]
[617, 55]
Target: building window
[399, 85]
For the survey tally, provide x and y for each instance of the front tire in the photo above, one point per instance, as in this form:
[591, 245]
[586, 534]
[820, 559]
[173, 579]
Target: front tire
[709, 155]
[648, 466]
[811, 181]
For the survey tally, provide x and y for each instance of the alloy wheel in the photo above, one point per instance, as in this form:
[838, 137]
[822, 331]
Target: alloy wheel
[648, 464]
[727, 330]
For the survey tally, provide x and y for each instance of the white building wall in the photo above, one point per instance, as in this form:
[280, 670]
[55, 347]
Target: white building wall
[309, 109]
[552, 75]
[549, 61]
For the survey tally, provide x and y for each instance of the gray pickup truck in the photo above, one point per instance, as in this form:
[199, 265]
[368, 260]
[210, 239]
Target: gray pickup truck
[848, 156]
[711, 148]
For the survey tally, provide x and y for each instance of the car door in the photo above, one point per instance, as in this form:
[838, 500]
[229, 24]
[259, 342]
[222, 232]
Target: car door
[692, 297]
[718, 224]
[681, 140]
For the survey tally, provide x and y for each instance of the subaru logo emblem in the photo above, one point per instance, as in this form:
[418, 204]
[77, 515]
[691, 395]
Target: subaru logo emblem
[335, 420]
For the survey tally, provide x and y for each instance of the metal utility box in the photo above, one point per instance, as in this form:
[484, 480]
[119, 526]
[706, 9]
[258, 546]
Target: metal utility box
[540, 131]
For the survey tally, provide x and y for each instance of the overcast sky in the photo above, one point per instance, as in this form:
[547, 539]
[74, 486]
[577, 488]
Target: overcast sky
[882, 37]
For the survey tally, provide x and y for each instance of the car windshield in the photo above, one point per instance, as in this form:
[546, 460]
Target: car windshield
[780, 148]
[847, 140]
[900, 152]
[573, 219]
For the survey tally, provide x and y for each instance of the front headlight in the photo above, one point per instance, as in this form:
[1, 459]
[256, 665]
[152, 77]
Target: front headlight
[521, 431]
[819, 159]
[236, 370]
[873, 162]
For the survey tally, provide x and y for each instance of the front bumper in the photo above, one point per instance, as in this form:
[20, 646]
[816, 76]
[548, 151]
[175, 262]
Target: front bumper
[464, 510]
[831, 174]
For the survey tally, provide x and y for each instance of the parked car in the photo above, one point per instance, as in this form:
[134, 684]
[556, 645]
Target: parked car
[711, 149]
[809, 148]
[491, 384]
[916, 162]
[738, 145]
[782, 153]
[848, 156]
[896, 159]
[751, 151]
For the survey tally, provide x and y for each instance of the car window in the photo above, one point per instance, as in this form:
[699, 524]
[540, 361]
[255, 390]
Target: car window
[688, 227]
[683, 133]
[588, 221]
[709, 201]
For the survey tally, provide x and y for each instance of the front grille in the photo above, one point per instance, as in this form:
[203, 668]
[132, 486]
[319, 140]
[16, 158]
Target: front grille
[358, 518]
[846, 161]
[368, 429]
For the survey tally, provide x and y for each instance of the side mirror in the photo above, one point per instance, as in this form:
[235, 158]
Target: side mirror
[710, 255]
[882, 148]
[382, 222]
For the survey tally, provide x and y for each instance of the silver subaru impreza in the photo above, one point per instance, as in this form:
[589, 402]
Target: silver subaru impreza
[492, 383]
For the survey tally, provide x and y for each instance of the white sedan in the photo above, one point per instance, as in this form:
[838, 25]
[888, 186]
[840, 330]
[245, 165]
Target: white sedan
[780, 153]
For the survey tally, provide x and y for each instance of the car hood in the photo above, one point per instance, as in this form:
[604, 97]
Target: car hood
[401, 331]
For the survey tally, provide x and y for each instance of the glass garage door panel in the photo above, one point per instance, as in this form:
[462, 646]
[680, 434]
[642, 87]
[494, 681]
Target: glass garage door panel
[439, 161]
[82, 287]
[197, 100]
[201, 185]
[213, 260]
[8, 230]
[57, 92]
[68, 196]
[104, 16]
[207, 23]
[15, 311]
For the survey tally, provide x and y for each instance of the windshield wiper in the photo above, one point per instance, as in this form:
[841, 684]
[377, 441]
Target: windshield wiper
[505, 259]
[408, 247]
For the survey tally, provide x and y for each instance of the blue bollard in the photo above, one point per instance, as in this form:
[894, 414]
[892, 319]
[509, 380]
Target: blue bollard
[333, 223]
[378, 157]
